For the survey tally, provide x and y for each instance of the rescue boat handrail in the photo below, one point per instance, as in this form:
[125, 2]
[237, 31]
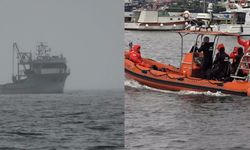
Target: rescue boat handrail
[216, 40]
[182, 36]
[241, 68]
[238, 77]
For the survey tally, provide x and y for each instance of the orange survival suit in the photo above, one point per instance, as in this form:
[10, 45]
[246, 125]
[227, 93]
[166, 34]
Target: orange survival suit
[234, 54]
[245, 44]
[135, 56]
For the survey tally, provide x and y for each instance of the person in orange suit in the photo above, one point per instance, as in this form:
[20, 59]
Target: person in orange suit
[236, 63]
[245, 44]
[234, 54]
[135, 56]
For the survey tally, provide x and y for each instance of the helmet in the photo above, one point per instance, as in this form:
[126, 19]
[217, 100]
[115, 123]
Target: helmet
[220, 46]
[136, 48]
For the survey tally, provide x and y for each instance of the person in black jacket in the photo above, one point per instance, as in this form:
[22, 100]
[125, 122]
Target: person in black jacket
[207, 49]
[236, 63]
[221, 66]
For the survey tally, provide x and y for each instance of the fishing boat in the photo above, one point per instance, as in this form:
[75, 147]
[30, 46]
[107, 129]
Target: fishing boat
[188, 75]
[35, 74]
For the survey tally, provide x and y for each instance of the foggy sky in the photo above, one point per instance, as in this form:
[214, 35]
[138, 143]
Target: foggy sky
[89, 33]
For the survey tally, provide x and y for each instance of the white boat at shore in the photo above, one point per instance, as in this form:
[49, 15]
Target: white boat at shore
[151, 20]
[235, 19]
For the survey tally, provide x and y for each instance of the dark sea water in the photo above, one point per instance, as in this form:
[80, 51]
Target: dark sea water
[91, 120]
[166, 120]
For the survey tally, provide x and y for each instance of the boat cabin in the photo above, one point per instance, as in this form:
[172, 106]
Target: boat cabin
[191, 62]
[42, 64]
[151, 16]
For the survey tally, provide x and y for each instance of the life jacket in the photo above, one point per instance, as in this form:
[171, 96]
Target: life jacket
[234, 54]
[245, 44]
[135, 57]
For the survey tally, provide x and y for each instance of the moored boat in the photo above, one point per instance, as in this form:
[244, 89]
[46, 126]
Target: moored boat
[234, 20]
[153, 20]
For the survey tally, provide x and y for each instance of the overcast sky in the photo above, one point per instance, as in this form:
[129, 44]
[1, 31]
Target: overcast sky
[88, 32]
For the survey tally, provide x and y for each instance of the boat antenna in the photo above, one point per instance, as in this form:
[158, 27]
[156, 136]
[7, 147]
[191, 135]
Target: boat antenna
[204, 6]
[13, 59]
[210, 11]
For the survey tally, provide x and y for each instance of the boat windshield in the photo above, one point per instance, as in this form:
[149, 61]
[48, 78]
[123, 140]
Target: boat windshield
[214, 37]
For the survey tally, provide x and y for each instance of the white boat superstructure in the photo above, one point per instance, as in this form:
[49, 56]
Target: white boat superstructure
[236, 5]
[153, 20]
[235, 20]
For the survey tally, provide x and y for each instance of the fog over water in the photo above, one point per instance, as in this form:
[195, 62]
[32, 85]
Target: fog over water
[83, 30]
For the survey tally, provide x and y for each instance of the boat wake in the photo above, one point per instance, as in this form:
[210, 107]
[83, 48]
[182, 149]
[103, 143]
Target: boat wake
[217, 94]
[137, 85]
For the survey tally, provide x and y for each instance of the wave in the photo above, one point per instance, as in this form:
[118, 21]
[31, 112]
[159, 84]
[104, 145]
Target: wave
[208, 93]
[10, 148]
[103, 147]
[137, 85]
[26, 133]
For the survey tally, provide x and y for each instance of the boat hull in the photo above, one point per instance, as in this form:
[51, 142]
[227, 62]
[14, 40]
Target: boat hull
[155, 26]
[243, 30]
[36, 84]
[176, 81]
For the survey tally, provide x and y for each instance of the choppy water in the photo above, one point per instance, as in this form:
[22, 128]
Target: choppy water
[91, 120]
[156, 119]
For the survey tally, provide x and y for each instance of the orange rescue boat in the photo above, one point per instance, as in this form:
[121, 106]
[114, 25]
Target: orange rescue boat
[186, 77]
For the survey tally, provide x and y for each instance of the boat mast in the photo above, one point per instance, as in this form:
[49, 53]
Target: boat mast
[204, 6]
[18, 55]
[13, 53]
[20, 61]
